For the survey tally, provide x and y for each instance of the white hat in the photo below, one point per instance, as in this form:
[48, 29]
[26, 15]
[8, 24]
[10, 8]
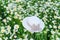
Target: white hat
[33, 24]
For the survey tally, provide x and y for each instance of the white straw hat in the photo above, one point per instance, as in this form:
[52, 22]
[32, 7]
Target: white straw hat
[33, 24]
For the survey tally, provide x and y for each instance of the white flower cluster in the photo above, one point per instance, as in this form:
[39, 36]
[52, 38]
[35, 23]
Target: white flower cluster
[17, 10]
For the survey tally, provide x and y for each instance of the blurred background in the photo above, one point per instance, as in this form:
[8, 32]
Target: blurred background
[12, 12]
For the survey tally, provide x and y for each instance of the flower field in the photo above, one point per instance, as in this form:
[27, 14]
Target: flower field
[13, 12]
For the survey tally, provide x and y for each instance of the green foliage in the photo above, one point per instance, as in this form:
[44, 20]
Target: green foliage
[13, 14]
